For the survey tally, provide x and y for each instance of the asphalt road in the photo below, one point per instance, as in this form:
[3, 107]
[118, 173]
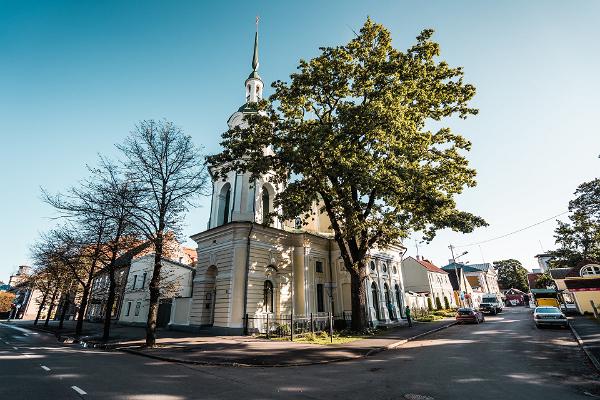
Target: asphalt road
[504, 358]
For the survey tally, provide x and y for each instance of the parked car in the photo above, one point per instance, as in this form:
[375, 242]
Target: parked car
[549, 316]
[491, 303]
[469, 315]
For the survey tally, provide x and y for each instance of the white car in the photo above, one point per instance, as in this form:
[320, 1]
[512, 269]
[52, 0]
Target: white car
[549, 316]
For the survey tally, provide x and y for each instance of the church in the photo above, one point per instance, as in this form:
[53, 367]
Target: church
[250, 267]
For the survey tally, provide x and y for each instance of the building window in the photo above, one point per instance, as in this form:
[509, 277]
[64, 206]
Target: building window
[128, 310]
[266, 205]
[223, 209]
[398, 297]
[384, 267]
[318, 266]
[372, 265]
[137, 308]
[394, 270]
[320, 298]
[375, 297]
[134, 281]
[268, 296]
[144, 279]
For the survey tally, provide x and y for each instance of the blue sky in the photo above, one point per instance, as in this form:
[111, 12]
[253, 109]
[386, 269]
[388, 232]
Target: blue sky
[76, 76]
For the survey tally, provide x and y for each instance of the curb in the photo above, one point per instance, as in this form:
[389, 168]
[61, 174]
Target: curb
[298, 364]
[585, 349]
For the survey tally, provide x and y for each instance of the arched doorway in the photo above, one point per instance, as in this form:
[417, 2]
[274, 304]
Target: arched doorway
[268, 297]
[375, 297]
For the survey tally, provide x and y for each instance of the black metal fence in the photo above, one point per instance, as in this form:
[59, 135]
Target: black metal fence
[288, 326]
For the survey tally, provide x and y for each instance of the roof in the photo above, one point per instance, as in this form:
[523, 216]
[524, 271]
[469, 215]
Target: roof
[429, 266]
[543, 291]
[559, 273]
[514, 291]
[481, 267]
[463, 267]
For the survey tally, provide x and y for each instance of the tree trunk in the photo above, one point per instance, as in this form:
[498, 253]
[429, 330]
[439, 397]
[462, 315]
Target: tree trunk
[154, 294]
[109, 305]
[42, 304]
[51, 308]
[359, 298]
[64, 310]
[82, 307]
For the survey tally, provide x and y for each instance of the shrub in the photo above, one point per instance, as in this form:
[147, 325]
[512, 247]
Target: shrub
[310, 336]
[446, 303]
[323, 335]
[438, 303]
[429, 305]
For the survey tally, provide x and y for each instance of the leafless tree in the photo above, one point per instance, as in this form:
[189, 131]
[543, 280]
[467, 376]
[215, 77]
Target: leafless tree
[170, 174]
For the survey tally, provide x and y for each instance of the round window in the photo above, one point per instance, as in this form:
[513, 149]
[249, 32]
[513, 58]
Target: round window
[372, 265]
[384, 267]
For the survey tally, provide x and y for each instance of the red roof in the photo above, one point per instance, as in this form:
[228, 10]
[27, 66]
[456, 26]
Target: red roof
[430, 267]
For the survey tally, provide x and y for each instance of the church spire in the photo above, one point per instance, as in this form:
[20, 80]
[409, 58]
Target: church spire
[255, 56]
[254, 84]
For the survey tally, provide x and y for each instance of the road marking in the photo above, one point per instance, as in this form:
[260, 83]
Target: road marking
[45, 368]
[78, 390]
[16, 348]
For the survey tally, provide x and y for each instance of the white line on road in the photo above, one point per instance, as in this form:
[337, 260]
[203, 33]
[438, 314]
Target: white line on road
[45, 368]
[16, 348]
[78, 390]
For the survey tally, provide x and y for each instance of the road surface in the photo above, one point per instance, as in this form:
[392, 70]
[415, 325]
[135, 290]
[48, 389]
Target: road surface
[504, 358]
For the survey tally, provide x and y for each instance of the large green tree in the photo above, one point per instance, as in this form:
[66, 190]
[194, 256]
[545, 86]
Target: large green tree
[511, 274]
[352, 132]
[579, 239]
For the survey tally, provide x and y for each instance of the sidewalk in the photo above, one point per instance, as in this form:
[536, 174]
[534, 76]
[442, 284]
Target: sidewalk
[185, 347]
[248, 351]
[587, 332]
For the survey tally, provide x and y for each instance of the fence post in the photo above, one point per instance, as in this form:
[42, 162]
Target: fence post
[246, 325]
[312, 324]
[291, 327]
[331, 326]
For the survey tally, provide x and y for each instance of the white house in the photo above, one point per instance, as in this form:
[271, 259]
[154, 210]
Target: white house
[176, 283]
[421, 276]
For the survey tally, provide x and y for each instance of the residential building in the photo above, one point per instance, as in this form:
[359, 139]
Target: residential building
[28, 299]
[482, 277]
[463, 292]
[421, 276]
[580, 285]
[176, 282]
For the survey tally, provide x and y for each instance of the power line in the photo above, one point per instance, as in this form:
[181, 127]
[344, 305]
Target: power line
[513, 232]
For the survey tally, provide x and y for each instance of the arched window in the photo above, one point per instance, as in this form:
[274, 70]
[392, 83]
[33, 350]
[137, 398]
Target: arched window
[384, 267]
[398, 297]
[375, 297]
[372, 265]
[590, 269]
[266, 205]
[223, 210]
[268, 296]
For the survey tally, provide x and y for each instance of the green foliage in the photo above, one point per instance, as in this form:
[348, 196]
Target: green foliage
[438, 303]
[511, 274]
[579, 239]
[323, 335]
[429, 304]
[545, 281]
[350, 133]
[446, 303]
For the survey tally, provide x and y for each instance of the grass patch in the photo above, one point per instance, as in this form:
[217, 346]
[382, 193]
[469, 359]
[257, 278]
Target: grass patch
[322, 338]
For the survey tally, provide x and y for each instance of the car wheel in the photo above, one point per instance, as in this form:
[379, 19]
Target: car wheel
[482, 319]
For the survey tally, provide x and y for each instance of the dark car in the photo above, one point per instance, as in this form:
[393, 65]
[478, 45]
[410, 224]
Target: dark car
[549, 316]
[469, 315]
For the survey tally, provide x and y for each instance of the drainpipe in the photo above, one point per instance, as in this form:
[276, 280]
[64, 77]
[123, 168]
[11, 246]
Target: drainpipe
[247, 272]
[331, 303]
[402, 282]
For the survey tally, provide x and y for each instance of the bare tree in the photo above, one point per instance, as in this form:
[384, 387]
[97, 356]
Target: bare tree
[170, 174]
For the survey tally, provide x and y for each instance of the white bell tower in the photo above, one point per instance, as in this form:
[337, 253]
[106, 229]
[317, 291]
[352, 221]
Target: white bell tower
[237, 198]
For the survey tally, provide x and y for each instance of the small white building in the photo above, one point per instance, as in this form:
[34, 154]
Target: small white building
[176, 283]
[421, 276]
